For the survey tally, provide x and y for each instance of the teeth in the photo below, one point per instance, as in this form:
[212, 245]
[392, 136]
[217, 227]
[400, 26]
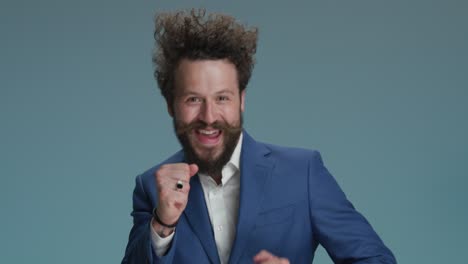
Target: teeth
[207, 132]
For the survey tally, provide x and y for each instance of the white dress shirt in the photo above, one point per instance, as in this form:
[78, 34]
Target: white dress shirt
[222, 202]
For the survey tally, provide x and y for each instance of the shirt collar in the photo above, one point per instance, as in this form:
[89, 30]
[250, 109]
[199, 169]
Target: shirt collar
[231, 168]
[235, 157]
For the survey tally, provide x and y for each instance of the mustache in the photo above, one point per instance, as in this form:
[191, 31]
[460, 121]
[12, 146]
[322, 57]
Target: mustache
[183, 128]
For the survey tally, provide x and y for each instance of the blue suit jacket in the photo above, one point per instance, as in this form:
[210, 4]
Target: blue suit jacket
[289, 204]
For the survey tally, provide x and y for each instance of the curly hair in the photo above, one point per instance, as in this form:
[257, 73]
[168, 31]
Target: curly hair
[196, 36]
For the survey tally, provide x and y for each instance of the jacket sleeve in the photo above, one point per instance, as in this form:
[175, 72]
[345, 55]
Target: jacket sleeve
[139, 248]
[344, 233]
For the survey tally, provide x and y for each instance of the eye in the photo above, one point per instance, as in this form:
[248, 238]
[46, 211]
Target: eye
[193, 99]
[223, 98]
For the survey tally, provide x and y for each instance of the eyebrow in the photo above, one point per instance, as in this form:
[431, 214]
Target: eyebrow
[225, 91]
[219, 92]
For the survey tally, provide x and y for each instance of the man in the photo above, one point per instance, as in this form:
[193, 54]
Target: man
[226, 198]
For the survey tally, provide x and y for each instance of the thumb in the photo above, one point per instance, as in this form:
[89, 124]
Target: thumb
[193, 169]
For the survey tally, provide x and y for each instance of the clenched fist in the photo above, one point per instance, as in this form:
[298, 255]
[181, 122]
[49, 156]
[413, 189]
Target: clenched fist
[171, 200]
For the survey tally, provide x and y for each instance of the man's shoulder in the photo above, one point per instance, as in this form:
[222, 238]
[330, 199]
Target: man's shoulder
[288, 153]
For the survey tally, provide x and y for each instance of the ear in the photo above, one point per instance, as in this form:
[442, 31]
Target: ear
[242, 100]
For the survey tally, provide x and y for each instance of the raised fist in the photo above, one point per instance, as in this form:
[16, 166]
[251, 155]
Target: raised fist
[171, 199]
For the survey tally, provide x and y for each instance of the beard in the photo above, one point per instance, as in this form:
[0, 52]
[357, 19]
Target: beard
[212, 163]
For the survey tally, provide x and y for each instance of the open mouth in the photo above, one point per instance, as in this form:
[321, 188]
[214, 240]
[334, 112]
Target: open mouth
[208, 137]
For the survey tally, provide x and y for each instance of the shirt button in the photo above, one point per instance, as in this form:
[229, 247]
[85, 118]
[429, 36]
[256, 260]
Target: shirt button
[220, 228]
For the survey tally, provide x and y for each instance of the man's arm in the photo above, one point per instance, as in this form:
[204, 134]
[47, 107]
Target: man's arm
[340, 229]
[139, 248]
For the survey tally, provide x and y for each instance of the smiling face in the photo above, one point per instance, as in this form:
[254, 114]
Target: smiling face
[207, 112]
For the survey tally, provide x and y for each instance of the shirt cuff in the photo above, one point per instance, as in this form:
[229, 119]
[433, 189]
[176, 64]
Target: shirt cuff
[160, 244]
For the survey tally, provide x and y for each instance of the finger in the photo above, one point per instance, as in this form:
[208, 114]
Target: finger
[193, 169]
[177, 177]
[182, 167]
[273, 260]
[171, 186]
[268, 261]
[172, 179]
[176, 186]
[185, 187]
[263, 256]
[174, 172]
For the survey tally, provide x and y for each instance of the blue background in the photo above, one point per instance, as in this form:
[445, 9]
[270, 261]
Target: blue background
[379, 87]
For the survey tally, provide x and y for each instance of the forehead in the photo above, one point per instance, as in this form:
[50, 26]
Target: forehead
[205, 77]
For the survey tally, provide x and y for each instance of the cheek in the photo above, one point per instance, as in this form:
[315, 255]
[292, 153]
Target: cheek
[185, 114]
[232, 116]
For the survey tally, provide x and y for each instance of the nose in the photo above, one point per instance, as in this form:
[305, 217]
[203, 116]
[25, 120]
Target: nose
[208, 112]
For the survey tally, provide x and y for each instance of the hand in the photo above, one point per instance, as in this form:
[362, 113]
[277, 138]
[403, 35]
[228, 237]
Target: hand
[265, 257]
[172, 201]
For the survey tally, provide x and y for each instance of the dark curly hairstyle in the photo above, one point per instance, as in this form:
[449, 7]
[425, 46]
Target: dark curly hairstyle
[196, 36]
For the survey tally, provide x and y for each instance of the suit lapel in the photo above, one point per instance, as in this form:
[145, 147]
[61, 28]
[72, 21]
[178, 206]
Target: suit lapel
[197, 215]
[255, 171]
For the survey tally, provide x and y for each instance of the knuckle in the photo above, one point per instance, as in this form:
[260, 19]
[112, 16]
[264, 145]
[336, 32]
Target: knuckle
[185, 167]
[166, 167]
[179, 165]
